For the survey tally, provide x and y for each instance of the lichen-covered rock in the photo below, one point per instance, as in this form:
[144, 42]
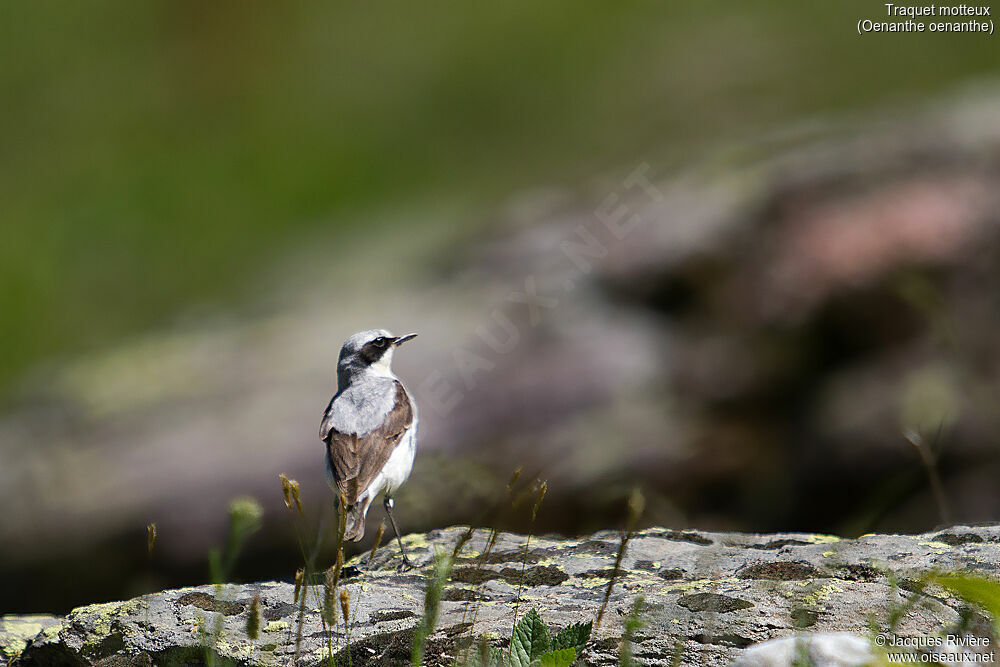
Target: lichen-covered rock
[706, 596]
[17, 631]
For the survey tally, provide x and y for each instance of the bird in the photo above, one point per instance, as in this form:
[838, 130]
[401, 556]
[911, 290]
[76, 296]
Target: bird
[370, 430]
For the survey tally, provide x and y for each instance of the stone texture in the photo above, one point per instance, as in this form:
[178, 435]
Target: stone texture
[733, 590]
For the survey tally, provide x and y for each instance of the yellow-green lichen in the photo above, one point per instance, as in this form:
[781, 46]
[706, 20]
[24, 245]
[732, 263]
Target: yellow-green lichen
[22, 627]
[827, 554]
[415, 541]
[942, 593]
[100, 615]
[16, 633]
[13, 648]
[697, 584]
[276, 626]
[821, 594]
[593, 582]
[819, 538]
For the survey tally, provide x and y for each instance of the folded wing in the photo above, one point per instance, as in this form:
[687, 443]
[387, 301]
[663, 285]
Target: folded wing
[356, 459]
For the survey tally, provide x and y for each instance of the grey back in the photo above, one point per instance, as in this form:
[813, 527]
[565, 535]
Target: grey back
[360, 407]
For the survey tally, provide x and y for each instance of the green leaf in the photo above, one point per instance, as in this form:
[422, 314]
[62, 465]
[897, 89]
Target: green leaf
[561, 658]
[975, 589]
[530, 641]
[573, 636]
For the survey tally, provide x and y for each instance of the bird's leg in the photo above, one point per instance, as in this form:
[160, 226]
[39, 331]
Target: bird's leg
[388, 510]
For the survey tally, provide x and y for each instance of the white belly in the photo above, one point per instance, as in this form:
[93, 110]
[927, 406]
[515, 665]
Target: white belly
[398, 467]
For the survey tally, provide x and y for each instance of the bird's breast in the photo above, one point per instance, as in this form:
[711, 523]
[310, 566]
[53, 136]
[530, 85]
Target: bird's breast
[397, 468]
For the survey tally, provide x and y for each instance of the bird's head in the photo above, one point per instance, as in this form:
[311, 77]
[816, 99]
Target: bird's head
[368, 352]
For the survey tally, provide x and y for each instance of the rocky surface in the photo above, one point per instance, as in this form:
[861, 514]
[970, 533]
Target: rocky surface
[707, 596]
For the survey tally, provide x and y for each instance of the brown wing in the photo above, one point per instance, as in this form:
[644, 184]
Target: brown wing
[357, 459]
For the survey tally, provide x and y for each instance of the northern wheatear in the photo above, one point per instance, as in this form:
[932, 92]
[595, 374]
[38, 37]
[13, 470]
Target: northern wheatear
[370, 429]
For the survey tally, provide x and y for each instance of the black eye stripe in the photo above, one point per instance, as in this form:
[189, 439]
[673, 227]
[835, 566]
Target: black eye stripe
[373, 350]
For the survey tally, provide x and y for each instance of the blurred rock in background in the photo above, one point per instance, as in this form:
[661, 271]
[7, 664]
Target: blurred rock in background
[748, 339]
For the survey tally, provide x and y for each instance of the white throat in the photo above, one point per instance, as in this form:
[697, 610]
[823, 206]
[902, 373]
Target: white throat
[382, 367]
[351, 373]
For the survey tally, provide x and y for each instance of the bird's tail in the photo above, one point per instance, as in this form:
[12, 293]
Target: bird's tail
[355, 520]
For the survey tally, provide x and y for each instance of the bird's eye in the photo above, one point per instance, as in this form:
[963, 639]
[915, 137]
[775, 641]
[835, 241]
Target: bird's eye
[380, 341]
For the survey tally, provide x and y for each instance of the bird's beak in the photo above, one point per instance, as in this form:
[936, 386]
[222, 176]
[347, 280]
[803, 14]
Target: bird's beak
[403, 339]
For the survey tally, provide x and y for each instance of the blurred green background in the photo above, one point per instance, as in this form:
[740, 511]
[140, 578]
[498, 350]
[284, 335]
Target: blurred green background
[155, 155]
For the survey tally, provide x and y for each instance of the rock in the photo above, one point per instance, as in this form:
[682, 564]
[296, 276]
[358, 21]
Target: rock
[727, 605]
[17, 631]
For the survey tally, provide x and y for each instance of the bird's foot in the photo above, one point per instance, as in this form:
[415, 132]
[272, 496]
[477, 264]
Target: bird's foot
[405, 566]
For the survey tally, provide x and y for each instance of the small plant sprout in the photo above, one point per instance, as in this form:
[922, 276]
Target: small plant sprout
[543, 487]
[300, 575]
[253, 619]
[286, 489]
[150, 543]
[338, 567]
[513, 500]
[632, 623]
[345, 605]
[513, 479]
[375, 545]
[636, 506]
[244, 520]
[930, 467]
[972, 588]
[432, 603]
[290, 491]
[539, 489]
[345, 610]
[329, 597]
[341, 519]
